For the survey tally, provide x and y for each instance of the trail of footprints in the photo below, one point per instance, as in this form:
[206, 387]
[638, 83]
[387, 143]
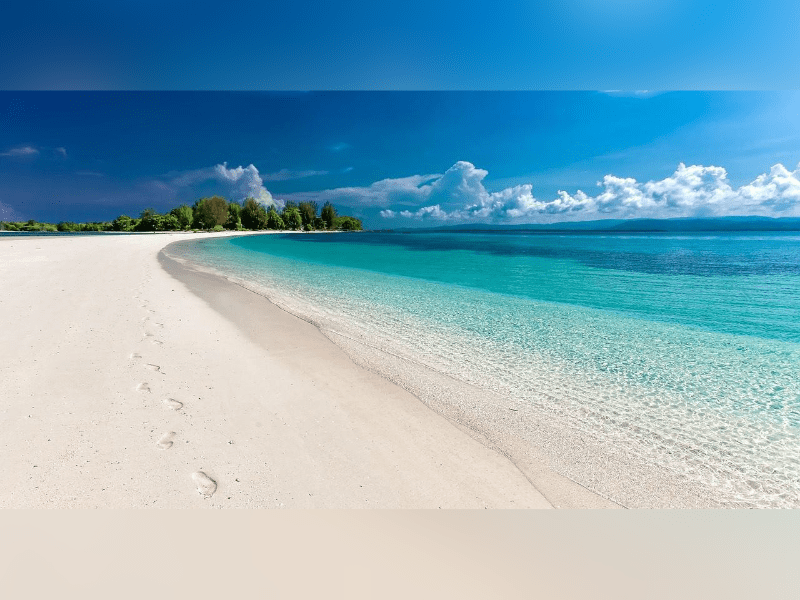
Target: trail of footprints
[204, 484]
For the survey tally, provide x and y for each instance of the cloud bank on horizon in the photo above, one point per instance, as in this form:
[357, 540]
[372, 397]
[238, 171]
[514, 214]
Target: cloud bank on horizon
[459, 195]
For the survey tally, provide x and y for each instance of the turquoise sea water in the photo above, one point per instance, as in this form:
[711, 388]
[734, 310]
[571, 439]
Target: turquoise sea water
[686, 348]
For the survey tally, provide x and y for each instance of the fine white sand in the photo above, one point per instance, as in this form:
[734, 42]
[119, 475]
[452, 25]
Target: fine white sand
[124, 386]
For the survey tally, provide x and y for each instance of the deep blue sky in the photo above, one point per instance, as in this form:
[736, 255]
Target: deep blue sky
[377, 44]
[490, 157]
[94, 155]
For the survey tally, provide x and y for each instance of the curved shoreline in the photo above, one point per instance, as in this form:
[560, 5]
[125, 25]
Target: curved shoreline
[247, 310]
[124, 389]
[242, 305]
[572, 468]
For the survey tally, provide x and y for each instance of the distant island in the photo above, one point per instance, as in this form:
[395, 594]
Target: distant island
[211, 214]
[674, 225]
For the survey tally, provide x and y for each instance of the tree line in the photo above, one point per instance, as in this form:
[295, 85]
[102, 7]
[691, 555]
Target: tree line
[215, 214]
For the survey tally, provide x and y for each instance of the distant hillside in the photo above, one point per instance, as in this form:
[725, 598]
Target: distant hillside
[637, 225]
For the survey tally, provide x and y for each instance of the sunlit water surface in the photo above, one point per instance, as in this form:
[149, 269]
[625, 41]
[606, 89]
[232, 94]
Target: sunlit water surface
[684, 346]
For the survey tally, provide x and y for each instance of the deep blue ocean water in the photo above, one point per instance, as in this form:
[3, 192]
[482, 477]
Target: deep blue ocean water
[687, 346]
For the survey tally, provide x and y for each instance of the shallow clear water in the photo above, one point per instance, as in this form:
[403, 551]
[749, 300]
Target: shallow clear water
[684, 348]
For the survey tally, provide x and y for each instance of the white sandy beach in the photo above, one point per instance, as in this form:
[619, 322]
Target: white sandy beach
[107, 358]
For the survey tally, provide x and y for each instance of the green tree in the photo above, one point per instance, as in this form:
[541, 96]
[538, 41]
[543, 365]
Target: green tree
[328, 214]
[347, 224]
[292, 218]
[184, 215]
[286, 208]
[68, 226]
[253, 215]
[274, 220]
[210, 212]
[95, 226]
[308, 212]
[149, 220]
[234, 216]
[123, 223]
[170, 222]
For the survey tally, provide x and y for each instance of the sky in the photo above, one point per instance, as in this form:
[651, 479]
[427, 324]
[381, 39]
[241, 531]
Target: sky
[89, 138]
[403, 159]
[410, 45]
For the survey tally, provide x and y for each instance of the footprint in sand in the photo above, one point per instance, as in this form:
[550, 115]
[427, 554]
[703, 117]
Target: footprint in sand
[166, 440]
[173, 404]
[135, 356]
[205, 485]
[155, 368]
[157, 342]
[143, 387]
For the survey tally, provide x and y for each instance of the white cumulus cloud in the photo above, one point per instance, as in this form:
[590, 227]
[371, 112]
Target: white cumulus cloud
[240, 182]
[696, 190]
[775, 192]
[433, 212]
[461, 192]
